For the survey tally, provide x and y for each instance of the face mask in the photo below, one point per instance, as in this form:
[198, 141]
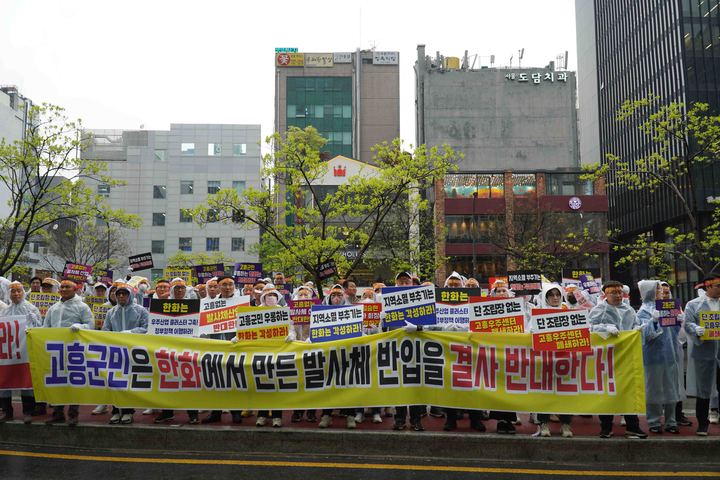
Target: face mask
[143, 287]
[271, 301]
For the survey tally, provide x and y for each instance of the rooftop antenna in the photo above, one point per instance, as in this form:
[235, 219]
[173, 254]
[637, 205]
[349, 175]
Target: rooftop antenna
[492, 60]
[511, 57]
[565, 62]
[521, 53]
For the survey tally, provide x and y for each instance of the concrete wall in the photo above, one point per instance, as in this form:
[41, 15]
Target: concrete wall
[498, 123]
[142, 171]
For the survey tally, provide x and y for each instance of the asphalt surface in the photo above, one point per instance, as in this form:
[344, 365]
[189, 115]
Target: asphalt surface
[52, 463]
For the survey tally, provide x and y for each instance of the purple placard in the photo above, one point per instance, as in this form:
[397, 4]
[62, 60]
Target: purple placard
[587, 282]
[668, 310]
[247, 272]
[203, 273]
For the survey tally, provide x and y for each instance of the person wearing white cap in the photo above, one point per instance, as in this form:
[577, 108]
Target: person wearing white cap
[270, 298]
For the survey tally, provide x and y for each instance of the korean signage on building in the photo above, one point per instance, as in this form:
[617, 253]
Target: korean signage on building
[537, 77]
[289, 59]
[318, 59]
[386, 58]
[342, 57]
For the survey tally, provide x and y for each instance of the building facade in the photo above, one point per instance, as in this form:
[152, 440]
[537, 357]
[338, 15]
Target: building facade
[169, 171]
[517, 128]
[14, 113]
[351, 98]
[668, 48]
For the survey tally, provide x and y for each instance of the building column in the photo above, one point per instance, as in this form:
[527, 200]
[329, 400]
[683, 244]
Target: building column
[439, 212]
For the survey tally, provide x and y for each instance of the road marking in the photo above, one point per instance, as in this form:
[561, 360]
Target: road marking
[354, 466]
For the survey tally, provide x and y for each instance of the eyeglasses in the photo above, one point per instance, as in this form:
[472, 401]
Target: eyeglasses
[613, 292]
[122, 292]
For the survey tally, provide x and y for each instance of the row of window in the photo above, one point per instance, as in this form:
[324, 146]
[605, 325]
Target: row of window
[493, 185]
[158, 218]
[213, 150]
[212, 244]
[187, 187]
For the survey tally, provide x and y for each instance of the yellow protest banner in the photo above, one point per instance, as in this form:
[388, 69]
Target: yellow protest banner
[494, 371]
[43, 301]
[710, 321]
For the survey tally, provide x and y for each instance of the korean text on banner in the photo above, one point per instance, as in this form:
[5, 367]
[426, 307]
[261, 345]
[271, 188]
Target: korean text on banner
[371, 314]
[710, 321]
[493, 371]
[99, 312]
[451, 304]
[525, 282]
[14, 363]
[247, 272]
[414, 305]
[219, 315]
[571, 276]
[104, 276]
[560, 330]
[668, 311]
[203, 273]
[300, 310]
[142, 261]
[76, 272]
[179, 318]
[43, 301]
[330, 322]
[493, 314]
[184, 273]
[262, 323]
[588, 283]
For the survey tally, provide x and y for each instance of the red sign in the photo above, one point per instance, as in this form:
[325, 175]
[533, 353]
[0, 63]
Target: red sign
[339, 171]
[560, 330]
[371, 315]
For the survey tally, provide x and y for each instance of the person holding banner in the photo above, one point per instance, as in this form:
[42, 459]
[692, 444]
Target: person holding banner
[162, 289]
[302, 333]
[19, 306]
[705, 352]
[609, 318]
[125, 317]
[212, 288]
[70, 312]
[271, 298]
[336, 297]
[659, 360]
[226, 289]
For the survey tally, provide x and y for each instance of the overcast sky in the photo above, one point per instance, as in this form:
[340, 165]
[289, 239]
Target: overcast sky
[130, 63]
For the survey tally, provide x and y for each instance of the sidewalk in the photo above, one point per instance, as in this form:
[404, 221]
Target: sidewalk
[93, 432]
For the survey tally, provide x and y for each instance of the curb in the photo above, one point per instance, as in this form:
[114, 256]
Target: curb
[290, 441]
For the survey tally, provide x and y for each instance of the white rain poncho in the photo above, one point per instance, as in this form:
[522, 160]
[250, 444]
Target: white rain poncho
[23, 307]
[130, 318]
[705, 355]
[659, 350]
[64, 314]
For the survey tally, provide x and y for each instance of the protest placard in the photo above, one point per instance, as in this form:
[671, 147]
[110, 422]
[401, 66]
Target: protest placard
[175, 272]
[589, 284]
[571, 276]
[414, 305]
[327, 269]
[14, 363]
[219, 315]
[371, 314]
[525, 282]
[560, 330]
[451, 304]
[710, 321]
[262, 323]
[142, 261]
[77, 272]
[103, 276]
[99, 312]
[203, 273]
[668, 311]
[300, 310]
[43, 301]
[493, 314]
[179, 318]
[330, 322]
[247, 272]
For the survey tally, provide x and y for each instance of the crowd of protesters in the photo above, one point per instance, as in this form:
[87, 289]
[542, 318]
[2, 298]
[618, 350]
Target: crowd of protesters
[668, 380]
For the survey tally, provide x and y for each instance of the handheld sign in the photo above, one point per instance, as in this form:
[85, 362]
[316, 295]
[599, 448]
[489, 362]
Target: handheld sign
[300, 310]
[76, 272]
[219, 315]
[178, 318]
[203, 273]
[560, 330]
[494, 314]
[414, 305]
[710, 321]
[451, 304]
[43, 301]
[525, 282]
[247, 272]
[262, 323]
[140, 262]
[587, 282]
[668, 310]
[327, 270]
[371, 314]
[184, 273]
[99, 312]
[329, 322]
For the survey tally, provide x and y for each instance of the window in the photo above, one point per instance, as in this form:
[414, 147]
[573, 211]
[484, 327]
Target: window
[187, 149]
[158, 219]
[186, 187]
[213, 186]
[156, 274]
[486, 228]
[185, 244]
[523, 185]
[212, 215]
[158, 246]
[239, 149]
[464, 185]
[159, 191]
[568, 184]
[238, 244]
[185, 217]
[238, 186]
[214, 149]
[103, 189]
[160, 155]
[212, 244]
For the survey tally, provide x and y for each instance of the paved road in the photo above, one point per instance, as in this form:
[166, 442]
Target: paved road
[28, 463]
